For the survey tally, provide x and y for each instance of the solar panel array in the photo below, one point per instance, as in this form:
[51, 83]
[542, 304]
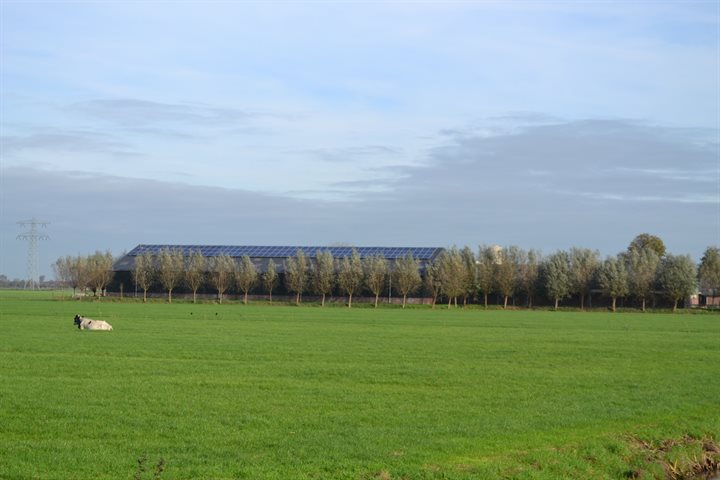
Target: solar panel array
[420, 253]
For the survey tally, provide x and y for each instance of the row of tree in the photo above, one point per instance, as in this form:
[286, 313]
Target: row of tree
[319, 275]
[457, 275]
[91, 272]
[511, 271]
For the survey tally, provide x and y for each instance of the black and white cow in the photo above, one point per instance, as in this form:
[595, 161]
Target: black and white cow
[84, 323]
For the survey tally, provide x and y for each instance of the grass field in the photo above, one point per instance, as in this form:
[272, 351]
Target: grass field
[280, 392]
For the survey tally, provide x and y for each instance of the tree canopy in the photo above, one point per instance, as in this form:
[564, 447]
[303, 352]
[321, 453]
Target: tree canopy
[406, 276]
[613, 279]
[296, 269]
[677, 277]
[557, 276]
[709, 272]
[645, 240]
[350, 275]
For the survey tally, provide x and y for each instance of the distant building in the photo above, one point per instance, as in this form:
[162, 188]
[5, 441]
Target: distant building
[261, 256]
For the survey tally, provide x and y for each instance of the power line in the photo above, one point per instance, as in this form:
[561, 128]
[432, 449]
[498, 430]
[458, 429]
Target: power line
[33, 236]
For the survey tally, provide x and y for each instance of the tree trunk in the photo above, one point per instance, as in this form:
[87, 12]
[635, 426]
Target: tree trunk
[557, 300]
[194, 295]
[643, 304]
[613, 304]
[505, 303]
[270, 296]
[245, 299]
[434, 301]
[582, 301]
[449, 302]
[350, 300]
[404, 298]
[529, 301]
[675, 305]
[377, 297]
[144, 295]
[297, 299]
[485, 295]
[219, 297]
[455, 302]
[170, 296]
[322, 302]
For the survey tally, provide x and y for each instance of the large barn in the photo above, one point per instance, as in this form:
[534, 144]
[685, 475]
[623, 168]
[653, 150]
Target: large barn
[261, 256]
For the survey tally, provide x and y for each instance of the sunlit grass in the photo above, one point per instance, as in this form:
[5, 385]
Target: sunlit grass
[233, 391]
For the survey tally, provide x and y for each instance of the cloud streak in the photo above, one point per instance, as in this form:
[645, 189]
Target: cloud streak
[134, 112]
[72, 141]
[593, 191]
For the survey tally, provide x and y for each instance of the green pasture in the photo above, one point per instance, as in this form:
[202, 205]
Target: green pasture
[284, 392]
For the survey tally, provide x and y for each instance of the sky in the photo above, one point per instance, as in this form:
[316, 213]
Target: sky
[540, 124]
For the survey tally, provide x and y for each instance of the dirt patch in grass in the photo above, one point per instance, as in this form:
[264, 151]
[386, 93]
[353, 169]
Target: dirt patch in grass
[687, 458]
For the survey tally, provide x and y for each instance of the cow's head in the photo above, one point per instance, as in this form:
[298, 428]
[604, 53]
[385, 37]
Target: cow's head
[77, 320]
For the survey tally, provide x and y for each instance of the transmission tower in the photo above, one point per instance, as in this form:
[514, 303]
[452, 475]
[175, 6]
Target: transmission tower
[33, 236]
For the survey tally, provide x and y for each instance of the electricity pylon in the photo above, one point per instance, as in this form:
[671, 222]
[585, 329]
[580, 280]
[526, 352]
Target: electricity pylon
[33, 236]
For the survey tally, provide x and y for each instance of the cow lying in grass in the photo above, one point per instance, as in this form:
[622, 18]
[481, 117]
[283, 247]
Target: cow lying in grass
[84, 323]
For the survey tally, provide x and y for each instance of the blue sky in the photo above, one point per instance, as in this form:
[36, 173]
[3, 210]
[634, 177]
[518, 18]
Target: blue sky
[541, 124]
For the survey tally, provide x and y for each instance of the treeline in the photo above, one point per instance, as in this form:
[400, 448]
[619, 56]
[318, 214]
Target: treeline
[320, 275]
[458, 276]
[90, 272]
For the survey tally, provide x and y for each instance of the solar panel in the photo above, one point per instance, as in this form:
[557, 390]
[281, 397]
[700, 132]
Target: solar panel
[260, 251]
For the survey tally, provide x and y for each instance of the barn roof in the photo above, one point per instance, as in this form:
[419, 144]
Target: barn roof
[424, 254]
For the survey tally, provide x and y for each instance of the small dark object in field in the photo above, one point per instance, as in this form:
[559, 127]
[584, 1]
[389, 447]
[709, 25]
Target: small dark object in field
[141, 468]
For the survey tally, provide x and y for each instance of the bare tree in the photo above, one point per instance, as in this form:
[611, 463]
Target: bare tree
[195, 268]
[222, 269]
[350, 275]
[143, 272]
[246, 276]
[100, 271]
[613, 279]
[79, 275]
[584, 264]
[296, 269]
[62, 270]
[269, 278]
[324, 273]
[376, 271]
[642, 267]
[94, 271]
[407, 275]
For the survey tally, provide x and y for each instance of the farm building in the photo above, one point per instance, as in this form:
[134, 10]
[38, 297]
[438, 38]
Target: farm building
[261, 256]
